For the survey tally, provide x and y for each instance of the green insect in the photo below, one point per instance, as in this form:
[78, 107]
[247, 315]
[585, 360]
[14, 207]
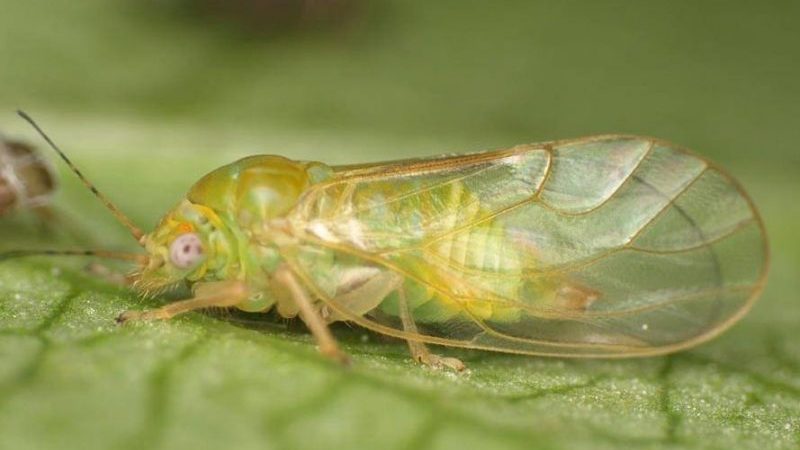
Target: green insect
[608, 246]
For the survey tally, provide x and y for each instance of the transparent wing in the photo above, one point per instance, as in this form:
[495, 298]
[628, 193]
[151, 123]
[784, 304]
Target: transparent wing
[606, 246]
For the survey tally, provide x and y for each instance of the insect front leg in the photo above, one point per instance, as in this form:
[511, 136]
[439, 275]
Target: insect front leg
[419, 351]
[206, 295]
[311, 317]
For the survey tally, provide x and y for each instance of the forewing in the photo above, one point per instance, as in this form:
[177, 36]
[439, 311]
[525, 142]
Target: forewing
[608, 246]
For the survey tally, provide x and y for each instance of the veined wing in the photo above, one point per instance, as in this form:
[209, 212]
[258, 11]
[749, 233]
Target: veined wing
[605, 246]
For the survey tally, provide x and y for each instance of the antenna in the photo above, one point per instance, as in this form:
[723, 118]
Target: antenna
[119, 215]
[122, 256]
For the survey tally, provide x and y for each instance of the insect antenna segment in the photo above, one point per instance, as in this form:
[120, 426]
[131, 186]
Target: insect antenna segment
[135, 231]
[122, 256]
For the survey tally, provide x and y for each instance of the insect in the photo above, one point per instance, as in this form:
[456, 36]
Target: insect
[26, 179]
[607, 246]
[28, 183]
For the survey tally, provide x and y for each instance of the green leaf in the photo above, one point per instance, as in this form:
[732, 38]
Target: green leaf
[146, 103]
[71, 378]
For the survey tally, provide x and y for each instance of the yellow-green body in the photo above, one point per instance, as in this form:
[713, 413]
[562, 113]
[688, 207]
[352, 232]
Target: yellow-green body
[605, 246]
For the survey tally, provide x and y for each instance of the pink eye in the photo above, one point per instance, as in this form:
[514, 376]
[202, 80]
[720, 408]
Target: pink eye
[186, 251]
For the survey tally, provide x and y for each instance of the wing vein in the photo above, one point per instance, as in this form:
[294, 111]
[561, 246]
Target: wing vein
[645, 155]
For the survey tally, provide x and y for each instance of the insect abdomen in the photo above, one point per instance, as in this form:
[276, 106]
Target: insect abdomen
[466, 245]
[459, 260]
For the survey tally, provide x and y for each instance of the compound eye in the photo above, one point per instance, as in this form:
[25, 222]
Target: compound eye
[186, 251]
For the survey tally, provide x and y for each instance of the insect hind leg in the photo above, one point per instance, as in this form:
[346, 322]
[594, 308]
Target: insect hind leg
[363, 290]
[419, 351]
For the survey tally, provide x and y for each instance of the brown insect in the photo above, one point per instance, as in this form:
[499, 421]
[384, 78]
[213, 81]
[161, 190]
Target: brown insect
[27, 181]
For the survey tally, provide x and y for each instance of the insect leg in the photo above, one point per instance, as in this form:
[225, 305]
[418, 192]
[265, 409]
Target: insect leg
[207, 295]
[419, 351]
[311, 317]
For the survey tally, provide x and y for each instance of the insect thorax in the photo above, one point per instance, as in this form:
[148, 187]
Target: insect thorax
[251, 197]
[257, 189]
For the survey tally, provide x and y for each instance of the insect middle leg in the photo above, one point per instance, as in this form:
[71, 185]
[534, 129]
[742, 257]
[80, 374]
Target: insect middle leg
[419, 351]
[207, 295]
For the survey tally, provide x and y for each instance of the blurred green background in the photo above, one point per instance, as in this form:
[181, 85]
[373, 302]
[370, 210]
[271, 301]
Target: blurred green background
[149, 95]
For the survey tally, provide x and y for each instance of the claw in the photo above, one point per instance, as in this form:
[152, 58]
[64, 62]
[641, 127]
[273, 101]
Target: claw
[336, 355]
[442, 362]
[454, 364]
[135, 316]
[124, 317]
